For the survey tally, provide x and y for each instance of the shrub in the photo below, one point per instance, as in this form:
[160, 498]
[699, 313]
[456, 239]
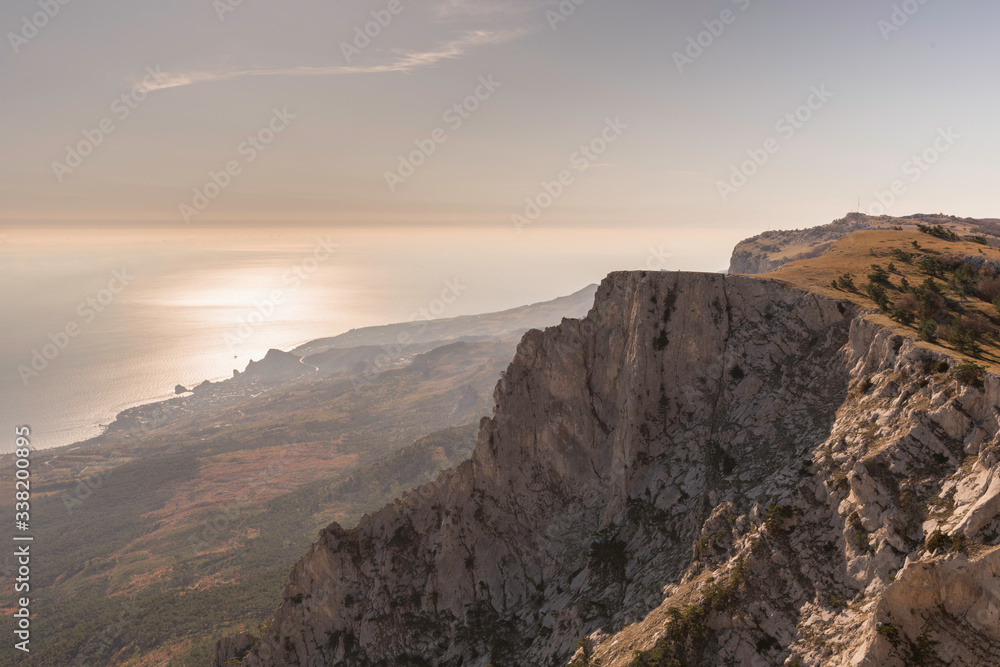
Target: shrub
[930, 286]
[962, 338]
[977, 324]
[922, 649]
[901, 315]
[878, 275]
[931, 303]
[776, 515]
[966, 279]
[939, 232]
[969, 374]
[988, 289]
[927, 330]
[687, 632]
[860, 540]
[685, 636]
[901, 255]
[932, 366]
[931, 266]
[878, 294]
[908, 302]
[890, 633]
[846, 282]
[936, 541]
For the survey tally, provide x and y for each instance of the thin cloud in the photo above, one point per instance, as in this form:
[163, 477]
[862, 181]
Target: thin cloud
[405, 62]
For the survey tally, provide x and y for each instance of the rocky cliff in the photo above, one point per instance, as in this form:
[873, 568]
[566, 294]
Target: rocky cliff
[709, 469]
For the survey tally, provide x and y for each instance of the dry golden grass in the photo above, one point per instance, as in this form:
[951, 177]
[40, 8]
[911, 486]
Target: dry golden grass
[855, 254]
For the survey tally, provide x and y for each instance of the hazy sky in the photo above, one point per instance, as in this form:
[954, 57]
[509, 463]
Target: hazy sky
[884, 85]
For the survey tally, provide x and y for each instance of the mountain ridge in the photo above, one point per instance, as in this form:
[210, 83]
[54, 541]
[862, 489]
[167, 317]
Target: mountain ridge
[570, 518]
[771, 249]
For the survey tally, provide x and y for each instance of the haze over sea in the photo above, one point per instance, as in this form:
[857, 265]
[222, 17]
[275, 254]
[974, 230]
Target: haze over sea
[177, 321]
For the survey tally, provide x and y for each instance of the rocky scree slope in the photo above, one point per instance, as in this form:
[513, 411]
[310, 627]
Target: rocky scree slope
[762, 460]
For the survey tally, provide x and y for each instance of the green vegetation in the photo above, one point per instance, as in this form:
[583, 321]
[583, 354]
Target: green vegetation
[93, 613]
[927, 330]
[890, 633]
[951, 306]
[879, 275]
[250, 481]
[970, 374]
[586, 659]
[901, 255]
[775, 518]
[878, 294]
[859, 536]
[917, 652]
[687, 634]
[845, 282]
[939, 540]
[939, 231]
[922, 649]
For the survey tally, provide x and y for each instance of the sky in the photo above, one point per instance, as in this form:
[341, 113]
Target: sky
[678, 115]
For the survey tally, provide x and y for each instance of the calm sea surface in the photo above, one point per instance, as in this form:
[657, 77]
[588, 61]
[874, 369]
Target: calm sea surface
[154, 309]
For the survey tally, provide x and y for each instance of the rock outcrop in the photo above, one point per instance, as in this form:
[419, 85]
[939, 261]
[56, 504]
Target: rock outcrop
[813, 489]
[276, 366]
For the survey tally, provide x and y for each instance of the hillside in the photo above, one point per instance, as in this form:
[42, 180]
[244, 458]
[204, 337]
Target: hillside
[705, 470]
[505, 325]
[191, 530]
[769, 250]
[181, 521]
[942, 292]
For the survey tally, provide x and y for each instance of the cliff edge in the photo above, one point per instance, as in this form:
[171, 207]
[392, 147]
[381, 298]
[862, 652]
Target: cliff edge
[705, 470]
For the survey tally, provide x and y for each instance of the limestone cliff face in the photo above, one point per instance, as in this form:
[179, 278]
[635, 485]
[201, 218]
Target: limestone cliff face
[691, 428]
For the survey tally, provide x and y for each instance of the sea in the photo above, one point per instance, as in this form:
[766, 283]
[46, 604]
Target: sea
[98, 320]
